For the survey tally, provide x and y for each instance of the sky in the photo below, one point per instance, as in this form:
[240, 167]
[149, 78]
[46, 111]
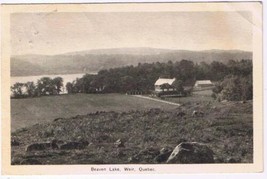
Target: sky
[62, 32]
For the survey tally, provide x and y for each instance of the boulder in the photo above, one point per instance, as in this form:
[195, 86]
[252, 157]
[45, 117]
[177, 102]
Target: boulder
[120, 153]
[42, 146]
[58, 142]
[104, 138]
[243, 102]
[197, 113]
[214, 107]
[144, 156]
[164, 155]
[191, 152]
[77, 117]
[154, 111]
[119, 143]
[54, 144]
[58, 119]
[74, 145]
[132, 159]
[224, 101]
[233, 160]
[14, 142]
[180, 114]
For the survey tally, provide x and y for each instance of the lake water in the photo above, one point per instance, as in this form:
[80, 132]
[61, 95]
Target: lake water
[66, 78]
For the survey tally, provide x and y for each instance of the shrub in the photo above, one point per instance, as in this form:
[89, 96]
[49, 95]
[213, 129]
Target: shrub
[234, 88]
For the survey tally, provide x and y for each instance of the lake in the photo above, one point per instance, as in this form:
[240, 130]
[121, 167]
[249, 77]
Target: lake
[66, 78]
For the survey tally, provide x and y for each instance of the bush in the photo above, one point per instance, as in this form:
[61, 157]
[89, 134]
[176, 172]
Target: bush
[234, 88]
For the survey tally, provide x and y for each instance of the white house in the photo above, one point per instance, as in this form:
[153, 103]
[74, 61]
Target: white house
[203, 84]
[164, 84]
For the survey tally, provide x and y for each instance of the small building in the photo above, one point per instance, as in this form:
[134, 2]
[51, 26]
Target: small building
[203, 84]
[164, 84]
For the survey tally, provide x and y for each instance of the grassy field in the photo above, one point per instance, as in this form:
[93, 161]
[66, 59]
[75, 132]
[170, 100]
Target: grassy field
[197, 97]
[227, 129]
[29, 111]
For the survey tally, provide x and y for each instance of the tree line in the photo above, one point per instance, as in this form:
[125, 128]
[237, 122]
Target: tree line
[233, 79]
[141, 78]
[44, 86]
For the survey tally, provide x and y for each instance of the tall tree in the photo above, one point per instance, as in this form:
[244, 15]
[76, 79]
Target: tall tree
[178, 85]
[16, 90]
[45, 86]
[69, 87]
[31, 89]
[187, 70]
[58, 84]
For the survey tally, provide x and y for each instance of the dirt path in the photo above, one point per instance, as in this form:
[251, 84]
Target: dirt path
[158, 100]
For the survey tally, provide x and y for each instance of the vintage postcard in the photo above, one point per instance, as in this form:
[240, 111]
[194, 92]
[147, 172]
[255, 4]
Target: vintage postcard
[136, 88]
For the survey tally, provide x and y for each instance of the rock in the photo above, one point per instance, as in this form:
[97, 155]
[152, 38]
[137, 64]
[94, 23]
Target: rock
[132, 160]
[14, 142]
[214, 107]
[54, 144]
[164, 155]
[59, 142]
[58, 119]
[224, 101]
[197, 113]
[42, 146]
[74, 145]
[154, 111]
[180, 114]
[104, 138]
[180, 140]
[30, 162]
[37, 146]
[119, 143]
[120, 153]
[149, 151]
[15, 161]
[77, 117]
[48, 132]
[144, 156]
[233, 160]
[191, 152]
[218, 160]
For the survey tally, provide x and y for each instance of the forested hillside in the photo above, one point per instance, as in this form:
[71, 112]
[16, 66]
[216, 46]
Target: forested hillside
[95, 60]
[233, 80]
[143, 76]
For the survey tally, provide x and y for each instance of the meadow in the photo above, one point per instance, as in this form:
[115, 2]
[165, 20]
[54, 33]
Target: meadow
[197, 97]
[144, 125]
[29, 111]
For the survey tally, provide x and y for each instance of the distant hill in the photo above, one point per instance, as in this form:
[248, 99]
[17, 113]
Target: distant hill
[94, 60]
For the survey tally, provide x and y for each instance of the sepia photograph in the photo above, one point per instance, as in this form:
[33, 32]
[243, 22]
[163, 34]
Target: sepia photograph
[133, 85]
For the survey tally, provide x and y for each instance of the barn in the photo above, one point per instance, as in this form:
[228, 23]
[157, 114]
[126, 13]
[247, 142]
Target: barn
[164, 84]
[203, 84]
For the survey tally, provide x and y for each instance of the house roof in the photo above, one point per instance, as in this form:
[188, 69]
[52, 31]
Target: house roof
[203, 82]
[162, 81]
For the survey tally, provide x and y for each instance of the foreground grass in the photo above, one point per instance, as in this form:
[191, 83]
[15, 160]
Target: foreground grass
[227, 128]
[26, 112]
[197, 97]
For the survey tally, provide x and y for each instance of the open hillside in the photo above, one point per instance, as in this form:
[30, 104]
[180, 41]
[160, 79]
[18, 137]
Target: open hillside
[226, 128]
[29, 111]
[95, 60]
